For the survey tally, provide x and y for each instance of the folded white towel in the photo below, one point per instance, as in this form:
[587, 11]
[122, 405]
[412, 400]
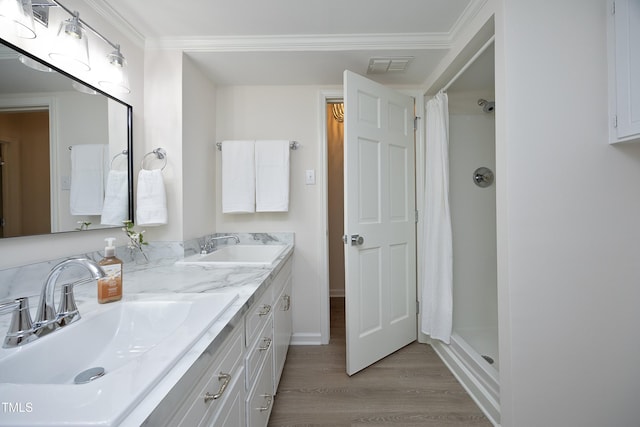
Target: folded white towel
[87, 179]
[238, 177]
[272, 176]
[116, 198]
[151, 198]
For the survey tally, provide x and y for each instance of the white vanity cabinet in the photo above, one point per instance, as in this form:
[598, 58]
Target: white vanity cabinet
[271, 316]
[234, 383]
[283, 328]
[212, 397]
[624, 70]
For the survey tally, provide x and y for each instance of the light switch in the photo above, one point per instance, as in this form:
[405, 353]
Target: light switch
[310, 177]
[65, 183]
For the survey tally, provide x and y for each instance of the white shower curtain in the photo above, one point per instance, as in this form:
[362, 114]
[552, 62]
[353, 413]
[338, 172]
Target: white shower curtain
[437, 258]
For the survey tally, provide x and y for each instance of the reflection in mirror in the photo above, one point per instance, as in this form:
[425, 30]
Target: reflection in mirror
[65, 161]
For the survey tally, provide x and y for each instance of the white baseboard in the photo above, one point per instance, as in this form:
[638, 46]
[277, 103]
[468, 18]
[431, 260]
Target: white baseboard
[305, 339]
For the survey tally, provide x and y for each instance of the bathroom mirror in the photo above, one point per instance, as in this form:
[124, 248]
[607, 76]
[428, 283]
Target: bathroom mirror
[46, 186]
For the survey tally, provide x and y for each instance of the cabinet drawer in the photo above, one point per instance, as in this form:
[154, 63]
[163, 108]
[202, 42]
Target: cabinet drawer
[211, 391]
[257, 353]
[260, 399]
[257, 316]
[281, 279]
[231, 412]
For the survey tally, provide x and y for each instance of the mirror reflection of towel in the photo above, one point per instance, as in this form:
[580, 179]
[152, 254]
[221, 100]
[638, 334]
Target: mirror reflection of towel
[116, 198]
[151, 198]
[87, 179]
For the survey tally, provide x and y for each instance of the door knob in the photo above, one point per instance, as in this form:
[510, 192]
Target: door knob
[356, 240]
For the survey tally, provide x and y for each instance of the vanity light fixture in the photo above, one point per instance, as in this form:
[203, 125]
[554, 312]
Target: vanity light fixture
[71, 48]
[32, 63]
[114, 75]
[20, 13]
[74, 50]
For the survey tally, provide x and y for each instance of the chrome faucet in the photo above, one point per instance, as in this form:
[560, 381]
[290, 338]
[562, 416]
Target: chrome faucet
[23, 330]
[209, 243]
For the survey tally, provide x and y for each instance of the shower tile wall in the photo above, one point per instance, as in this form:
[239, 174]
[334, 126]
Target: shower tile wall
[475, 312]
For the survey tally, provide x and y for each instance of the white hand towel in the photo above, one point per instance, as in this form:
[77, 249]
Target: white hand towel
[238, 177]
[116, 198]
[272, 176]
[151, 198]
[87, 179]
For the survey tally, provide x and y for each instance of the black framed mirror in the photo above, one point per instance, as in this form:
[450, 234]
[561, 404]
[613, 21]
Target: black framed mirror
[66, 161]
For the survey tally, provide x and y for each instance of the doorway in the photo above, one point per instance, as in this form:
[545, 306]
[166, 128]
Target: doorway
[26, 187]
[335, 196]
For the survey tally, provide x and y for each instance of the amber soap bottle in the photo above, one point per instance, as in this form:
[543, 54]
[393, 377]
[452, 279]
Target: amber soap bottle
[110, 286]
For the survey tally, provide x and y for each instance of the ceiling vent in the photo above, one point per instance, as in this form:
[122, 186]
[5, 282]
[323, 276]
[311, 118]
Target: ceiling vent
[382, 65]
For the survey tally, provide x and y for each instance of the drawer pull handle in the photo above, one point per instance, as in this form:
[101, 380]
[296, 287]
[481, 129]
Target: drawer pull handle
[266, 407]
[267, 344]
[287, 299]
[265, 309]
[222, 377]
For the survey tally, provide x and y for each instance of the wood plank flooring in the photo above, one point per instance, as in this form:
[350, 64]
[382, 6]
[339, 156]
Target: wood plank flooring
[411, 387]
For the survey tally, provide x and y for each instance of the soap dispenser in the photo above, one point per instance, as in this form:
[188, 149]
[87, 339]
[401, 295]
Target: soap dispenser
[110, 287]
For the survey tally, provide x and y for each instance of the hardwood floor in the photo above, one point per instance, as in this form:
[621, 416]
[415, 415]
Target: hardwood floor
[411, 387]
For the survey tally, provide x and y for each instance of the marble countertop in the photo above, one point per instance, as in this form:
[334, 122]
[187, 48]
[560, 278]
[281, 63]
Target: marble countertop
[248, 282]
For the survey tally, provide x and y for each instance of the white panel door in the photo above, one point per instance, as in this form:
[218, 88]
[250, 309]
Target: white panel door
[379, 209]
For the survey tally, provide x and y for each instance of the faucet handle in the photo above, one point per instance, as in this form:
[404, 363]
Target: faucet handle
[67, 309]
[21, 327]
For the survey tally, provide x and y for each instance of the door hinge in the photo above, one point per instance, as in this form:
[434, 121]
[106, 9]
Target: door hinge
[2, 222]
[615, 121]
[416, 216]
[613, 8]
[417, 307]
[415, 122]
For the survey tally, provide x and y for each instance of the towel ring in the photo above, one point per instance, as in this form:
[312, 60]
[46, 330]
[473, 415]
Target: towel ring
[160, 153]
[122, 153]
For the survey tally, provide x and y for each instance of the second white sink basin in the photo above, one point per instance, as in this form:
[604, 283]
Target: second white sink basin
[136, 341]
[232, 255]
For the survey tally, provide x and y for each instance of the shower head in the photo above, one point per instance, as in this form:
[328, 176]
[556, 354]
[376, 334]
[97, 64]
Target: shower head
[487, 106]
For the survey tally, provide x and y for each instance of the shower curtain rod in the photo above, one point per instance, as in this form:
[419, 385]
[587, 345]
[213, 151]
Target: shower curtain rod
[469, 63]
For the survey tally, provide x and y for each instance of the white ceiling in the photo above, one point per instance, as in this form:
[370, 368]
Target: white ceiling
[298, 42]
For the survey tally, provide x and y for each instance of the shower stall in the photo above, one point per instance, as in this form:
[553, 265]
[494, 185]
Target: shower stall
[472, 354]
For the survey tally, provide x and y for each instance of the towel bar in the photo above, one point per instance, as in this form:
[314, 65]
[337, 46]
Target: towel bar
[160, 153]
[294, 145]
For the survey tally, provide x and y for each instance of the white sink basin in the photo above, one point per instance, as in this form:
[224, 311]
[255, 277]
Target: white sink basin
[233, 255]
[137, 341]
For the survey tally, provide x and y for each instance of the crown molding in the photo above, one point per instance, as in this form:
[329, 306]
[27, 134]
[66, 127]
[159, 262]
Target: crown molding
[467, 15]
[313, 42]
[104, 9]
[291, 43]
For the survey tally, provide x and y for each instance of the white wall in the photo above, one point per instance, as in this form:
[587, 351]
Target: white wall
[569, 224]
[473, 216]
[198, 152]
[283, 112]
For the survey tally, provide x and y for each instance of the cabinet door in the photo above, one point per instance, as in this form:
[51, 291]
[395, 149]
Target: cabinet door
[283, 327]
[627, 67]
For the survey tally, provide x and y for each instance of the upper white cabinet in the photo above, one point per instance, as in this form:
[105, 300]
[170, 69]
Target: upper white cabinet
[624, 70]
